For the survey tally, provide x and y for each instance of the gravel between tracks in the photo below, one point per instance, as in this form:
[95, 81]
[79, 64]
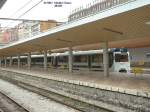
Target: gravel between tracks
[32, 101]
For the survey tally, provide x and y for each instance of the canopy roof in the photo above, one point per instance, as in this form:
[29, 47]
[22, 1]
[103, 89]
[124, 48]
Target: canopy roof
[124, 22]
[2, 2]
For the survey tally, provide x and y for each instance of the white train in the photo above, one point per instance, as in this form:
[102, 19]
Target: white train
[91, 60]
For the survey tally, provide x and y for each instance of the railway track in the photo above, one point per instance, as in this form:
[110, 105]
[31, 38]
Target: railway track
[9, 105]
[59, 97]
[81, 97]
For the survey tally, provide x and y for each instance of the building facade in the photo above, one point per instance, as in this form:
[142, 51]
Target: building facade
[12, 33]
[4, 36]
[42, 26]
[24, 29]
[45, 25]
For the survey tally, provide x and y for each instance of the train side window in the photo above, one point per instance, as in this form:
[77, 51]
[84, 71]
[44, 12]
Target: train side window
[77, 58]
[148, 55]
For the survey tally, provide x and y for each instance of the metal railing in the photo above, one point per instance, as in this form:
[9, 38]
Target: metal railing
[100, 6]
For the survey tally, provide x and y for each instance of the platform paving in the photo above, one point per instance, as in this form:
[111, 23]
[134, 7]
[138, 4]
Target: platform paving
[116, 81]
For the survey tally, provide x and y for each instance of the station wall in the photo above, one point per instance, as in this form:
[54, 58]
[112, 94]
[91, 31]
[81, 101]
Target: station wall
[140, 56]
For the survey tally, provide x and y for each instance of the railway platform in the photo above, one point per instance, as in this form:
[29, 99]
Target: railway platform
[123, 81]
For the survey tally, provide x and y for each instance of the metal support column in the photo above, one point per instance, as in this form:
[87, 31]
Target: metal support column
[0, 62]
[10, 61]
[45, 60]
[29, 61]
[18, 61]
[89, 61]
[5, 62]
[70, 60]
[106, 59]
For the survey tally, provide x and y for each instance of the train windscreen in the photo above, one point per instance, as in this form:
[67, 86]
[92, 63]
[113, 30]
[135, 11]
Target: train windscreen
[121, 57]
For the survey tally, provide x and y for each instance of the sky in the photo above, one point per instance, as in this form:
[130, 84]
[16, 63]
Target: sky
[45, 10]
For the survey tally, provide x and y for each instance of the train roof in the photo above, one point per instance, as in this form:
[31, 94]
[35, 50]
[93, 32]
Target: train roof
[78, 53]
[90, 52]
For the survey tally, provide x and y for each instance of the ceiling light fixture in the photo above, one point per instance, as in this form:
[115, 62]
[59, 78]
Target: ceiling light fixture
[113, 31]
